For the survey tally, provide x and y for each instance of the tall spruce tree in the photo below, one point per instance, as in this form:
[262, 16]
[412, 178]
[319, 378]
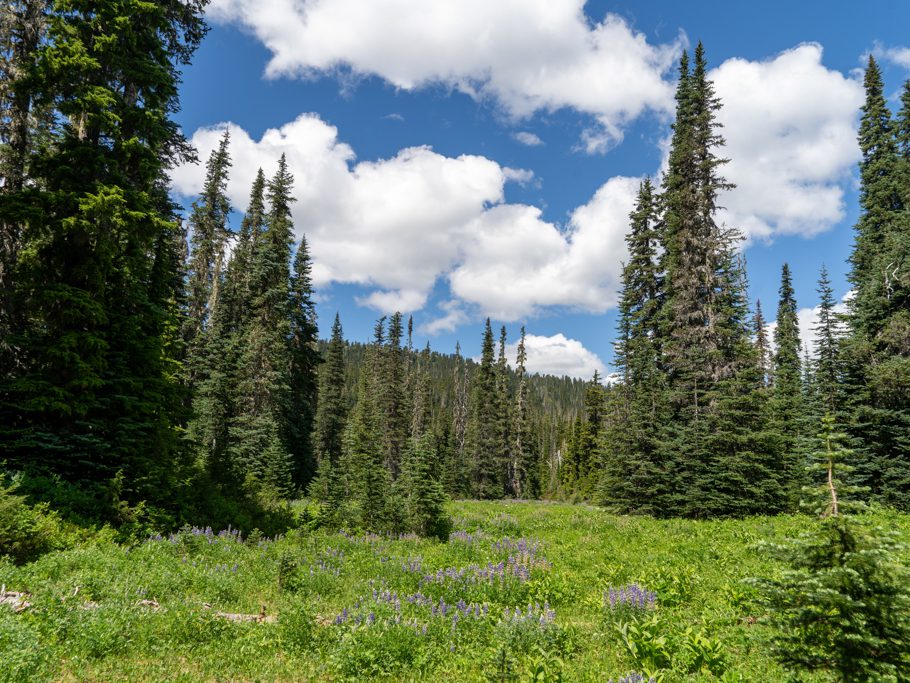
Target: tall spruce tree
[392, 397]
[94, 393]
[503, 409]
[483, 436]
[762, 348]
[703, 319]
[521, 454]
[365, 467]
[462, 470]
[23, 121]
[827, 372]
[876, 351]
[209, 233]
[787, 402]
[632, 478]
[259, 430]
[332, 409]
[304, 361]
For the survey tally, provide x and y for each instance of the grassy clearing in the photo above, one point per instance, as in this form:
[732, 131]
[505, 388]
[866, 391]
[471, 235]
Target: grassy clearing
[518, 593]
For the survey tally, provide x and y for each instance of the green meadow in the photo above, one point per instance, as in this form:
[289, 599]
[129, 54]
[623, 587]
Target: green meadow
[520, 592]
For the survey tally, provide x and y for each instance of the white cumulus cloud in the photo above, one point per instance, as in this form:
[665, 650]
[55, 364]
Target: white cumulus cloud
[394, 224]
[519, 263]
[398, 225]
[790, 126]
[896, 55]
[528, 138]
[526, 55]
[557, 355]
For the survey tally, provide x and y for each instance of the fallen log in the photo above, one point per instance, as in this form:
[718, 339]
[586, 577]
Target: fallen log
[17, 600]
[261, 618]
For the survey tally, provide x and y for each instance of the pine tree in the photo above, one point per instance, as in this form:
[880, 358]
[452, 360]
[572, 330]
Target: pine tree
[23, 27]
[332, 408]
[712, 437]
[462, 470]
[209, 228]
[392, 399]
[94, 394]
[421, 409]
[521, 455]
[787, 397]
[762, 349]
[876, 352]
[304, 361]
[632, 477]
[365, 467]
[827, 373]
[843, 604]
[424, 497]
[483, 436]
[259, 431]
[503, 409]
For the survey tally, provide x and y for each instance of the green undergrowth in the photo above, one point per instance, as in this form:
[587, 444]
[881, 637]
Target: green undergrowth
[521, 592]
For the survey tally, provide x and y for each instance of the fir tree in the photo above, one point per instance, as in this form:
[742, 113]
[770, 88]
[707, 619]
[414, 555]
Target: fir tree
[332, 409]
[23, 27]
[521, 454]
[842, 605]
[94, 392]
[209, 228]
[304, 361]
[264, 383]
[827, 373]
[462, 471]
[421, 412]
[787, 401]
[876, 352]
[632, 477]
[483, 428]
[503, 410]
[424, 498]
[762, 349]
[365, 466]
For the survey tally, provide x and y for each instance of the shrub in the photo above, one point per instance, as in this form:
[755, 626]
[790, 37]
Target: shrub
[27, 531]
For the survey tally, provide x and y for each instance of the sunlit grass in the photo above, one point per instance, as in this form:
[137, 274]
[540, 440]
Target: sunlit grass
[521, 590]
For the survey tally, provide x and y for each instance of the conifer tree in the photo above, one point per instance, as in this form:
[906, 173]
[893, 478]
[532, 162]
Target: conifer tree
[304, 361]
[762, 349]
[392, 398]
[521, 455]
[332, 409]
[842, 605]
[259, 431]
[503, 409]
[708, 360]
[421, 412]
[826, 375]
[209, 228]
[365, 470]
[461, 475]
[424, 499]
[876, 352]
[483, 429]
[632, 476]
[94, 394]
[23, 27]
[787, 402]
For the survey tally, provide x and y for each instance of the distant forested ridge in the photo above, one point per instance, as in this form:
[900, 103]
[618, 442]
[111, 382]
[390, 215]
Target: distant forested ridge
[157, 368]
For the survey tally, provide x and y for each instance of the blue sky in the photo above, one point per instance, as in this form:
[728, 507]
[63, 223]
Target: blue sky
[458, 159]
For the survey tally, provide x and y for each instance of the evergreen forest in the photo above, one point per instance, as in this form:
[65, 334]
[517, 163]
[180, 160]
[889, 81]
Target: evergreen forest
[163, 368]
